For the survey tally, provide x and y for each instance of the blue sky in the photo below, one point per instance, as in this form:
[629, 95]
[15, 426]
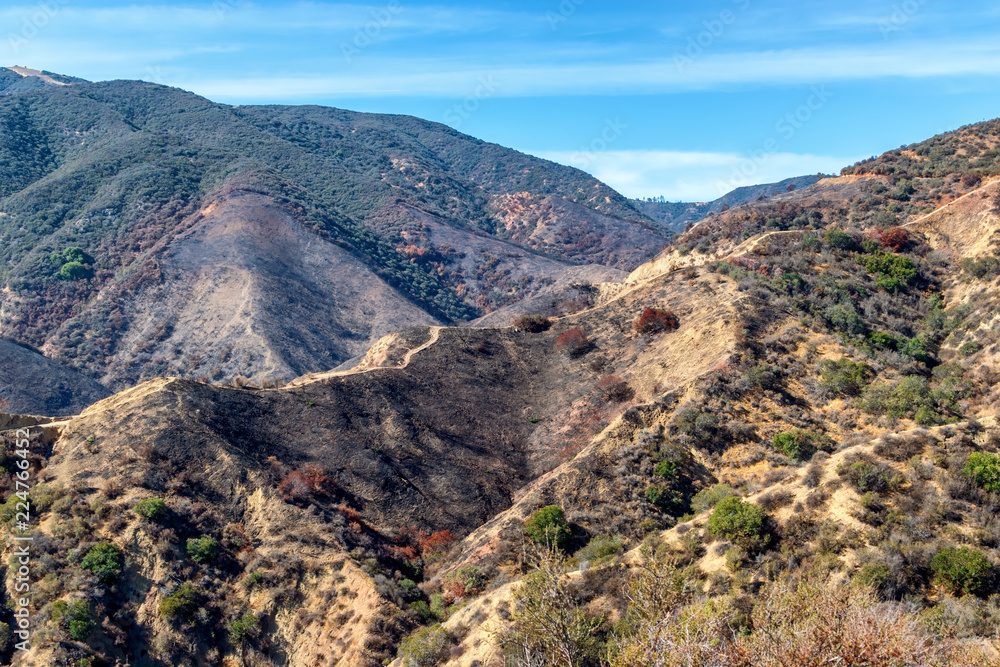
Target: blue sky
[680, 99]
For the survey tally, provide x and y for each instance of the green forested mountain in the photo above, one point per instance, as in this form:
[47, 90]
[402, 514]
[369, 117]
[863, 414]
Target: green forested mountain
[121, 169]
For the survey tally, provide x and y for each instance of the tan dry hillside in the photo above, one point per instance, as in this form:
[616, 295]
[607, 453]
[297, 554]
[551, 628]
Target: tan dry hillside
[440, 428]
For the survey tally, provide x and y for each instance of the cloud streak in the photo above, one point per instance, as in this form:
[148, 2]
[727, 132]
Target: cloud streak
[439, 78]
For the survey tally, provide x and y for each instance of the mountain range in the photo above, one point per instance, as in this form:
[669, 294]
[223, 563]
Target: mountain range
[770, 439]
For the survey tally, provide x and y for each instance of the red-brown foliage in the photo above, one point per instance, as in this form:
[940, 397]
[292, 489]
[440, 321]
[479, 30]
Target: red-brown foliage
[422, 543]
[351, 513]
[299, 487]
[436, 542]
[971, 180]
[574, 342]
[895, 238]
[653, 321]
[295, 488]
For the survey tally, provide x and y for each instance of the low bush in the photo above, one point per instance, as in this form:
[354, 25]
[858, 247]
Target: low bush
[845, 377]
[533, 323]
[664, 497]
[762, 376]
[893, 272]
[801, 445]
[104, 560]
[653, 321]
[181, 604]
[151, 509]
[906, 398]
[202, 550]
[244, 628]
[772, 500]
[573, 342]
[962, 570]
[707, 498]
[666, 469]
[75, 617]
[547, 526]
[981, 268]
[426, 647]
[894, 238]
[600, 548]
[740, 522]
[984, 469]
[842, 240]
[870, 477]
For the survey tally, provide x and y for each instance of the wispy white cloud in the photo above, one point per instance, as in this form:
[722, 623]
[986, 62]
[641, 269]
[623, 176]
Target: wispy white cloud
[692, 176]
[430, 77]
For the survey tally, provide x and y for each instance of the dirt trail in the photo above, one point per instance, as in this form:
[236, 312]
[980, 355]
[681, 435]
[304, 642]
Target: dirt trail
[435, 334]
[936, 211]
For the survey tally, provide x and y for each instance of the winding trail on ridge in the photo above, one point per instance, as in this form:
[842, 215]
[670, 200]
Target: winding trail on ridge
[435, 334]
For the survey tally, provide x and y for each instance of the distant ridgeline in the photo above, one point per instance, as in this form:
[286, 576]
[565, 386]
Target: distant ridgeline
[119, 171]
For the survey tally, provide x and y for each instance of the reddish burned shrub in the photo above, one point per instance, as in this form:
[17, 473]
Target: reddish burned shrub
[895, 238]
[574, 342]
[653, 321]
[295, 489]
[420, 543]
[300, 487]
[436, 542]
[971, 179]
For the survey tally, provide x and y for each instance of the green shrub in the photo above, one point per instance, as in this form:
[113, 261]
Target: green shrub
[426, 647]
[78, 619]
[915, 348]
[600, 548]
[244, 628]
[74, 271]
[548, 526]
[899, 400]
[104, 560]
[893, 272]
[845, 319]
[962, 570]
[71, 254]
[762, 376]
[707, 498]
[800, 445]
[663, 496]
[253, 580]
[984, 469]
[740, 522]
[883, 341]
[202, 549]
[841, 240]
[181, 604]
[844, 377]
[874, 575]
[152, 509]
[969, 349]
[666, 470]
